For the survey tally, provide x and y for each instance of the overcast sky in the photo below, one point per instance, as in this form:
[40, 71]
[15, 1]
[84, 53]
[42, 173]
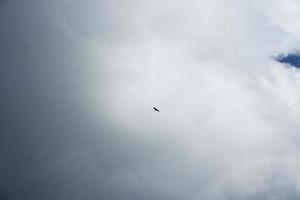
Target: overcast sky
[78, 80]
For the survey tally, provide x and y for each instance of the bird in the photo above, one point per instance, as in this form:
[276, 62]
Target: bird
[155, 109]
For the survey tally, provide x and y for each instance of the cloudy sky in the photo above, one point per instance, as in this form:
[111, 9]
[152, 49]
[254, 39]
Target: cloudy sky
[78, 80]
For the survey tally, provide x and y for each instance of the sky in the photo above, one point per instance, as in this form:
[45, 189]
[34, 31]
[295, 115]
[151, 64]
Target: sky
[78, 80]
[291, 59]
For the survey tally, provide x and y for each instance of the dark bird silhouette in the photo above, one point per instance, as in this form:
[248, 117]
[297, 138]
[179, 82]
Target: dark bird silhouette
[155, 109]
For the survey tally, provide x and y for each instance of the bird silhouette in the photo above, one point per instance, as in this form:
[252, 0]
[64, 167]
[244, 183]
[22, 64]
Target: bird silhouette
[155, 109]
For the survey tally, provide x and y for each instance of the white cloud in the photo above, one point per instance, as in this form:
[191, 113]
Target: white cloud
[229, 109]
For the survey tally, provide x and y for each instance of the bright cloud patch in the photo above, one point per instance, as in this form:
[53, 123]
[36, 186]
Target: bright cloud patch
[229, 108]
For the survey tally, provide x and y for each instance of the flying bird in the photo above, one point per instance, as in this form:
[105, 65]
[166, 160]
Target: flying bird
[155, 109]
